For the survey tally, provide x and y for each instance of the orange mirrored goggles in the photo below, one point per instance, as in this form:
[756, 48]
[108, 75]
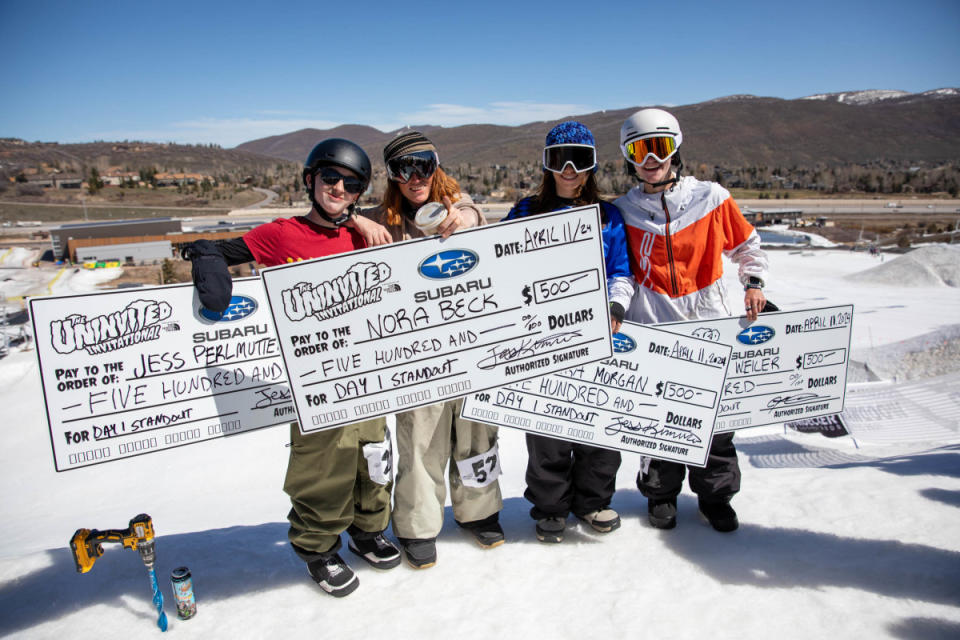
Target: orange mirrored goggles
[661, 148]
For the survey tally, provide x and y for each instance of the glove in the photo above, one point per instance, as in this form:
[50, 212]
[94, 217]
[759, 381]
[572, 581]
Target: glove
[617, 311]
[210, 275]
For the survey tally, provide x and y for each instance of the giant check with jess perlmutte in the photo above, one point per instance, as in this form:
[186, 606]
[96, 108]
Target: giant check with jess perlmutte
[136, 371]
[390, 328]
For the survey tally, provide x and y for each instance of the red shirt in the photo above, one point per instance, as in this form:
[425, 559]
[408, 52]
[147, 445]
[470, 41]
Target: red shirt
[294, 239]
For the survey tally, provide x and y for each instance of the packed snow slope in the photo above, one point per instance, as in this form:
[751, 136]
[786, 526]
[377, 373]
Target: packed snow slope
[837, 538]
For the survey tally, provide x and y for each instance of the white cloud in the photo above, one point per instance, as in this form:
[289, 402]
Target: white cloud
[229, 132]
[503, 113]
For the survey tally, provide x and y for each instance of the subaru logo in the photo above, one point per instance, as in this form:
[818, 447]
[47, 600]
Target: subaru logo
[448, 264]
[755, 335]
[240, 307]
[622, 343]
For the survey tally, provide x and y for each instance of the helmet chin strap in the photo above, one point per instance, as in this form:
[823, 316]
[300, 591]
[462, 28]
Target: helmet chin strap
[340, 220]
[673, 179]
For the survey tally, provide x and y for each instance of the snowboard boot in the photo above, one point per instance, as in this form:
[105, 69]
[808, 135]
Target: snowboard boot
[662, 513]
[604, 520]
[550, 529]
[333, 575]
[487, 532]
[720, 515]
[376, 550]
[420, 553]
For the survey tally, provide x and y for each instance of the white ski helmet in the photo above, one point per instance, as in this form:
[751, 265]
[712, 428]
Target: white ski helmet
[645, 124]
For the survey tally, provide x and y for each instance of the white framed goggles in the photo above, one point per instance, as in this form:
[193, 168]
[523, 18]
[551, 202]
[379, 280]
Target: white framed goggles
[582, 157]
[660, 147]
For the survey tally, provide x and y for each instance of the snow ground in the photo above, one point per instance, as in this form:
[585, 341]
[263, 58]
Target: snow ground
[837, 538]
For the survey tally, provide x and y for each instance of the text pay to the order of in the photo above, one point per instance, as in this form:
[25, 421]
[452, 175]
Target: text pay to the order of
[389, 328]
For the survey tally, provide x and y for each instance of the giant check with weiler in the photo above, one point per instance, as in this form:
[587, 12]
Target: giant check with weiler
[135, 371]
[786, 365]
[390, 328]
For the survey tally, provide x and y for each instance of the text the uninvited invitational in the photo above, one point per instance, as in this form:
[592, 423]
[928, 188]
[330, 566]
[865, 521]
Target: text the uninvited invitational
[390, 328]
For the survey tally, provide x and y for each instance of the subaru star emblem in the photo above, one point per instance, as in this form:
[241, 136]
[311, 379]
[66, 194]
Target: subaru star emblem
[622, 343]
[240, 307]
[755, 335]
[448, 264]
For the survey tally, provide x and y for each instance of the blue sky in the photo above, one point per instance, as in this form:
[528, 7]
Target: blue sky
[227, 73]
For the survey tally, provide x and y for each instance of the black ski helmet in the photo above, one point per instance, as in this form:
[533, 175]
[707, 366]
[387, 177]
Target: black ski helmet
[339, 153]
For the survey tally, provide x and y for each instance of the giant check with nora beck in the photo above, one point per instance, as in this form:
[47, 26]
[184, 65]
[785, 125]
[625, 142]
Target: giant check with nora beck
[390, 328]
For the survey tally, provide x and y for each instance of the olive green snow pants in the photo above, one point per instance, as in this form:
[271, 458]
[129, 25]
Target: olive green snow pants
[330, 486]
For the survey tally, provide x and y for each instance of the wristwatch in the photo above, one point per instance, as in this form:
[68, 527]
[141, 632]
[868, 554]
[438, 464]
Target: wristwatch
[753, 282]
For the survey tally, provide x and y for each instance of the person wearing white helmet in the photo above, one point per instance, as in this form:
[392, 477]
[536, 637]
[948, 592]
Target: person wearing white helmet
[678, 230]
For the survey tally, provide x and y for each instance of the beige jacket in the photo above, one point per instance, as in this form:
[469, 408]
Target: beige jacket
[471, 214]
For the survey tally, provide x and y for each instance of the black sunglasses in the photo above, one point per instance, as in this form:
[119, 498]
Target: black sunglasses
[330, 177]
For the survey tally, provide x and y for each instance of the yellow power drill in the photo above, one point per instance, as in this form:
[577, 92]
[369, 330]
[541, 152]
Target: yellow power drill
[86, 544]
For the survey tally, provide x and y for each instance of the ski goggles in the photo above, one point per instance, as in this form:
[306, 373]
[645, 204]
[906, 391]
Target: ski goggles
[581, 156]
[330, 176]
[660, 147]
[421, 163]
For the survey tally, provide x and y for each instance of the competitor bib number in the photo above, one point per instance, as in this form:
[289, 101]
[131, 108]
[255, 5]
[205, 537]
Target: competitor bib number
[480, 470]
[379, 460]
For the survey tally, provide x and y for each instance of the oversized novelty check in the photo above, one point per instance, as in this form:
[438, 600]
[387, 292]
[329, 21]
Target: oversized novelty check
[784, 366]
[135, 371]
[390, 328]
[658, 395]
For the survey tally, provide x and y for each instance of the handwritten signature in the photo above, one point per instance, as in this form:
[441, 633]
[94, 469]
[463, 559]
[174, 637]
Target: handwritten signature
[557, 338]
[650, 428]
[500, 354]
[270, 397]
[707, 333]
[789, 401]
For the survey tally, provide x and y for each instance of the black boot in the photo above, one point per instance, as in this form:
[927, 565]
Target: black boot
[662, 513]
[720, 515]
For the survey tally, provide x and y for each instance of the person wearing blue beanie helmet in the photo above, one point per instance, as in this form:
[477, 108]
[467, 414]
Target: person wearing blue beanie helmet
[562, 476]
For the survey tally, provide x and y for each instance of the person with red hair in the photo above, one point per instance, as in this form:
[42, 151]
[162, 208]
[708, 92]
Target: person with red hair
[431, 437]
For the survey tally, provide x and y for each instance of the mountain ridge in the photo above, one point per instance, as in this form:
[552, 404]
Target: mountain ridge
[831, 128]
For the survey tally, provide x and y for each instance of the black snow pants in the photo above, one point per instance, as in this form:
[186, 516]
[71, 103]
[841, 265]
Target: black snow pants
[717, 482]
[567, 476]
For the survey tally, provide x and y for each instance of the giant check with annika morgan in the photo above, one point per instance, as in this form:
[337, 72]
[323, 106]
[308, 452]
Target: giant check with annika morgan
[658, 395]
[135, 371]
[389, 328]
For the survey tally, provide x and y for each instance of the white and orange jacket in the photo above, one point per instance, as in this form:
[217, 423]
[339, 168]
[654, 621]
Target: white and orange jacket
[677, 241]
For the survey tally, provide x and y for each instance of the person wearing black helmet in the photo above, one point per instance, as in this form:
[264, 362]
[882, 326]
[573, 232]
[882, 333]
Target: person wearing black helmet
[334, 477]
[679, 230]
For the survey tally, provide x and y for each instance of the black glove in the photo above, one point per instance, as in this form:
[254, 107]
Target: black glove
[210, 275]
[616, 311]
